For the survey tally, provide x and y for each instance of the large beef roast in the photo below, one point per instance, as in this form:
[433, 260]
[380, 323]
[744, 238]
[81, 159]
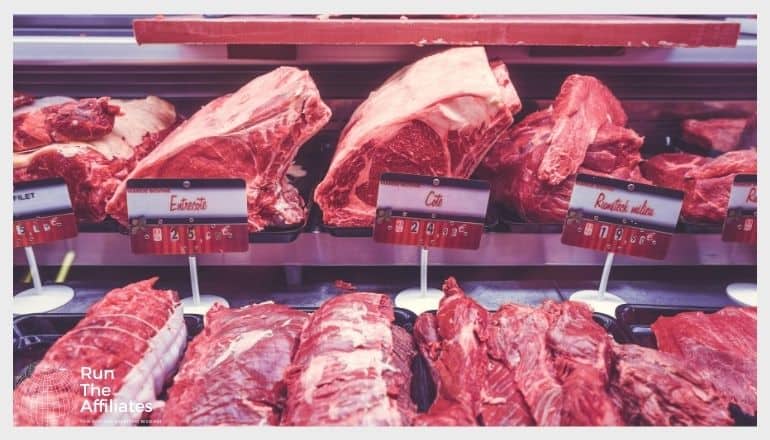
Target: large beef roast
[252, 134]
[93, 168]
[533, 165]
[438, 116]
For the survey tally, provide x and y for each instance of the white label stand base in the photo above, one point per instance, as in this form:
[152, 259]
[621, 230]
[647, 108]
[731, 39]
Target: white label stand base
[420, 299]
[40, 299]
[600, 300]
[744, 294]
[199, 304]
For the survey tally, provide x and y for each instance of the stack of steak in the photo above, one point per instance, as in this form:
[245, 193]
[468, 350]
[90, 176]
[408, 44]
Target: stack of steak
[92, 144]
[705, 182]
[438, 117]
[552, 365]
[252, 134]
[533, 165]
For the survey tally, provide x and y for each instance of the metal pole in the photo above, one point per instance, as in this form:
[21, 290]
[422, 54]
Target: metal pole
[606, 274]
[33, 268]
[424, 271]
[196, 293]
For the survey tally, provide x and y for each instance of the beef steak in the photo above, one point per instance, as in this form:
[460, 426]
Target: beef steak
[533, 164]
[232, 373]
[129, 342]
[437, 116]
[94, 169]
[722, 346]
[253, 134]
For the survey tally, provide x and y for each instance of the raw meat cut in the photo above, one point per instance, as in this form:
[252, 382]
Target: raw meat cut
[438, 116]
[668, 169]
[252, 134]
[659, 389]
[453, 345]
[722, 346]
[232, 373]
[94, 169]
[559, 357]
[533, 164]
[129, 342]
[85, 120]
[718, 134]
[706, 186]
[21, 99]
[347, 369]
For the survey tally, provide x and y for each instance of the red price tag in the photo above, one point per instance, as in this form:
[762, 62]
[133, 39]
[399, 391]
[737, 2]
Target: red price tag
[623, 217]
[741, 220]
[42, 212]
[187, 216]
[430, 211]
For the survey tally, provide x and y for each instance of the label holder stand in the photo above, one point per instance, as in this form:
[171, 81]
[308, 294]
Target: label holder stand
[198, 304]
[420, 299]
[600, 300]
[744, 294]
[40, 298]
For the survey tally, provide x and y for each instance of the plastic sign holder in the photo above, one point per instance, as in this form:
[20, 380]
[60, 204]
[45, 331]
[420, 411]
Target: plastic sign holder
[617, 216]
[741, 227]
[188, 217]
[429, 211]
[42, 213]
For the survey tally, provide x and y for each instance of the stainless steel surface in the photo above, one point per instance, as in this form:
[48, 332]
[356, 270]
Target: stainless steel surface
[74, 50]
[321, 249]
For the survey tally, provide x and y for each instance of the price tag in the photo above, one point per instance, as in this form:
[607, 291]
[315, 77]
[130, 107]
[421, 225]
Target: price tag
[430, 211]
[623, 217]
[42, 212]
[741, 220]
[187, 216]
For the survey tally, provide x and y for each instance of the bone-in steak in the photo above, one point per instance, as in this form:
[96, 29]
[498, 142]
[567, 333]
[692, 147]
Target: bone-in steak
[438, 116]
[252, 134]
[94, 169]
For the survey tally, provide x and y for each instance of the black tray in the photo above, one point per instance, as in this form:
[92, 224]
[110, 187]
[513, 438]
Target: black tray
[635, 320]
[610, 324]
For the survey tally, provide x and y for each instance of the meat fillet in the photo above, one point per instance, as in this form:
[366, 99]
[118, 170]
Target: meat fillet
[722, 346]
[349, 369]
[232, 373]
[128, 342]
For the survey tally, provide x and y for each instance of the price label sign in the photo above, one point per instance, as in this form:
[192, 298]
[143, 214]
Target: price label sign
[187, 216]
[623, 217]
[741, 220]
[430, 211]
[42, 212]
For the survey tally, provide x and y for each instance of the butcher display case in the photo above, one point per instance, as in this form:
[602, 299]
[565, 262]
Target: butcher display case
[311, 113]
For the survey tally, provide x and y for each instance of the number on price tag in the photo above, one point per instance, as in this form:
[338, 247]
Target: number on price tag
[187, 216]
[430, 211]
[42, 212]
[741, 220]
[623, 217]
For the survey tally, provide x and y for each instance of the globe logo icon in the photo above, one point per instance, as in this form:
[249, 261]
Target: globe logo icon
[50, 396]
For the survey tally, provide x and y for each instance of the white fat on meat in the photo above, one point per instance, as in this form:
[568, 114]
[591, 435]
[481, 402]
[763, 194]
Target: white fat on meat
[243, 342]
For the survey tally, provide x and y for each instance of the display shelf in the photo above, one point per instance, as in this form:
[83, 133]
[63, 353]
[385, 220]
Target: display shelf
[518, 30]
[322, 249]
